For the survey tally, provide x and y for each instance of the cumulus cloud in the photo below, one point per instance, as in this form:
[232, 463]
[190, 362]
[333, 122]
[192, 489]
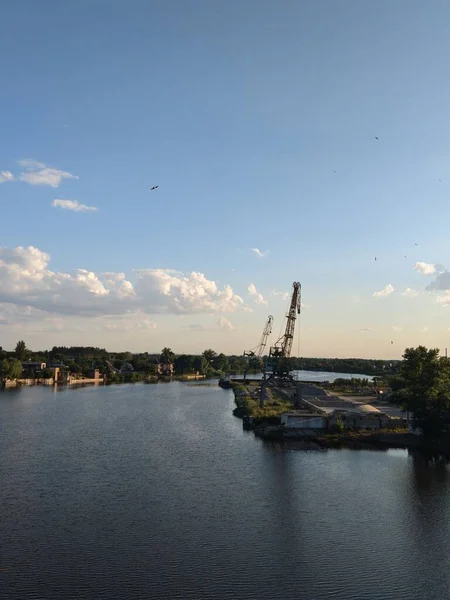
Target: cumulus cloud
[27, 281]
[37, 173]
[410, 293]
[259, 253]
[257, 297]
[428, 269]
[284, 295]
[73, 205]
[177, 293]
[442, 282]
[225, 324]
[6, 176]
[386, 291]
[444, 300]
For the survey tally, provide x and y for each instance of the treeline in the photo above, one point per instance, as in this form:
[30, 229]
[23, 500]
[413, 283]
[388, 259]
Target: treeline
[83, 359]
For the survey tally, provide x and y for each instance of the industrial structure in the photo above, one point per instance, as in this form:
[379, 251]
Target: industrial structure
[258, 351]
[277, 366]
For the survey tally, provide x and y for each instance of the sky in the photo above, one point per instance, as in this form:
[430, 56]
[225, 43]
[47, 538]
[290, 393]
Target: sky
[291, 141]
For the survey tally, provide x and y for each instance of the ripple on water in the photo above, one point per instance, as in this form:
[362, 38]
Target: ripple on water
[156, 492]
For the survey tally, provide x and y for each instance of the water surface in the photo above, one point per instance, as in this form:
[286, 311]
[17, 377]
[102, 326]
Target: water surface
[155, 491]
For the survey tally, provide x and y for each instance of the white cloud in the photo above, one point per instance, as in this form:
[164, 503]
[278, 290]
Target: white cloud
[444, 300]
[26, 280]
[410, 293]
[37, 173]
[428, 269]
[284, 295]
[365, 330]
[73, 205]
[397, 328]
[260, 253]
[257, 297]
[424, 329]
[355, 299]
[174, 292]
[225, 324]
[386, 291]
[6, 176]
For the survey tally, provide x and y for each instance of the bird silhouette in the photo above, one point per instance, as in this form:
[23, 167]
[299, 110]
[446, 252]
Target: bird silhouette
[155, 187]
[376, 137]
[375, 258]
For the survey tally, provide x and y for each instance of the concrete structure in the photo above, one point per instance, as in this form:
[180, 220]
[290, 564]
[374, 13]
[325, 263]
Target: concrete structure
[301, 419]
[350, 419]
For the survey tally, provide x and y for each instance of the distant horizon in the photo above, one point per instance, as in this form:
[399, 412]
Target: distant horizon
[41, 350]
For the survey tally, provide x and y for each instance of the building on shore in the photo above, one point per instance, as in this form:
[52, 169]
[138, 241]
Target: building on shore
[165, 369]
[364, 418]
[29, 366]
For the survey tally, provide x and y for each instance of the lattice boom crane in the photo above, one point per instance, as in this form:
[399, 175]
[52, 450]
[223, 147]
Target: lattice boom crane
[259, 349]
[283, 346]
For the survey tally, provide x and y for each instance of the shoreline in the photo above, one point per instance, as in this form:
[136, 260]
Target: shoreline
[271, 429]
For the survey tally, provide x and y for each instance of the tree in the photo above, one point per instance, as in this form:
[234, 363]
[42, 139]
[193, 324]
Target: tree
[220, 362]
[201, 365]
[167, 356]
[21, 350]
[209, 355]
[426, 391]
[11, 368]
[184, 364]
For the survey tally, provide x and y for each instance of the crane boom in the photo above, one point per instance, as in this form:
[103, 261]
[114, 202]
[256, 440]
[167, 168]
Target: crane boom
[294, 309]
[265, 334]
[283, 346]
[259, 349]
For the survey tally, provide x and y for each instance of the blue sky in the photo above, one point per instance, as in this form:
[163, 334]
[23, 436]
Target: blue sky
[258, 120]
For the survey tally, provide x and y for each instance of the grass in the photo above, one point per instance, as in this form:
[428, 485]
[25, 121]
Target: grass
[247, 404]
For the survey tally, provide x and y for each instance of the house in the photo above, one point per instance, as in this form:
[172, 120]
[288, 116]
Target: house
[57, 364]
[31, 366]
[166, 369]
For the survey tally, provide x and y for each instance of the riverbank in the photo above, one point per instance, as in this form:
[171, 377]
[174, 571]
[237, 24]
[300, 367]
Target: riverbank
[266, 423]
[359, 440]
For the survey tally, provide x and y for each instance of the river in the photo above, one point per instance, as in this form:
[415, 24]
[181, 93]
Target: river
[155, 491]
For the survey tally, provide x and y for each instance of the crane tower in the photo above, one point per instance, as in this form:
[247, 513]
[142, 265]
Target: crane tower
[282, 349]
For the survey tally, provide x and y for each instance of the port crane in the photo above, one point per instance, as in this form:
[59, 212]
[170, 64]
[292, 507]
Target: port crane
[258, 350]
[277, 366]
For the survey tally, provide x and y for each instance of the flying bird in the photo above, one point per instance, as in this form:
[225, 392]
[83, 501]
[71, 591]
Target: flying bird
[392, 342]
[375, 258]
[155, 187]
[376, 137]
